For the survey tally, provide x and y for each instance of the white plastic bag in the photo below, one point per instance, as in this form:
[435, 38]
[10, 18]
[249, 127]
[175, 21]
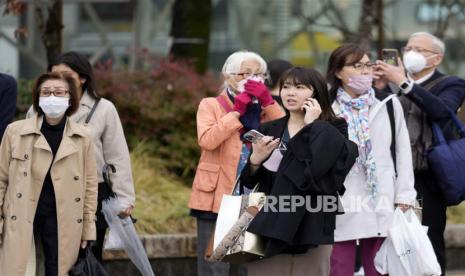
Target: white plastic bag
[113, 242]
[426, 258]
[407, 250]
[386, 260]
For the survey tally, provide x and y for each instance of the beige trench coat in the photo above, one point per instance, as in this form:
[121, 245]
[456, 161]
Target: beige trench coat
[109, 144]
[25, 158]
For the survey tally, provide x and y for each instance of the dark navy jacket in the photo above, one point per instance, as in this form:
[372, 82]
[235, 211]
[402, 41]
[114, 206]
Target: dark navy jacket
[8, 94]
[448, 93]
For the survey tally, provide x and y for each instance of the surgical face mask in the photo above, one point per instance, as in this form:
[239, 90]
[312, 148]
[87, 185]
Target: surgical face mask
[414, 62]
[54, 107]
[360, 84]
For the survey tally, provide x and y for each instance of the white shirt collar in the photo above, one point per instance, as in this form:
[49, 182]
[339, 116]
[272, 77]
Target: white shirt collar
[421, 80]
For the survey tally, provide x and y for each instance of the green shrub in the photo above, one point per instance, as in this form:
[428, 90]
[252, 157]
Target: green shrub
[161, 198]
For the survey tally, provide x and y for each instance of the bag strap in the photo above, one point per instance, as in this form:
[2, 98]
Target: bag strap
[392, 121]
[381, 95]
[92, 111]
[224, 103]
[241, 187]
[437, 131]
[433, 83]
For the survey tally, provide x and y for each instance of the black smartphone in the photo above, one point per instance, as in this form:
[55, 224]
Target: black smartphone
[390, 56]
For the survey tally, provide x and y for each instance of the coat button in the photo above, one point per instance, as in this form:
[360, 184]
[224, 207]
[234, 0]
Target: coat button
[13, 217]
[26, 156]
[79, 220]
[77, 199]
[76, 178]
[19, 195]
[25, 173]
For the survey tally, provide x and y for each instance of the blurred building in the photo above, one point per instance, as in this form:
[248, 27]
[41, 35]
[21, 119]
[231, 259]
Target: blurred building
[302, 31]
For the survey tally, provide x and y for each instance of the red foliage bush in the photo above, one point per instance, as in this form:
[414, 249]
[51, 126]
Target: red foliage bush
[158, 105]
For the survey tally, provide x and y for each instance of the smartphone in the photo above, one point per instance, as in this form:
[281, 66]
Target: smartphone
[390, 56]
[253, 135]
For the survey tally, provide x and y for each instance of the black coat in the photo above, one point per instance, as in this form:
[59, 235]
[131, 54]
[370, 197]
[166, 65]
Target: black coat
[8, 93]
[316, 162]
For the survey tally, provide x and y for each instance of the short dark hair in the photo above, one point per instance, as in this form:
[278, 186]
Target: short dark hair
[346, 54]
[312, 79]
[276, 68]
[79, 64]
[72, 90]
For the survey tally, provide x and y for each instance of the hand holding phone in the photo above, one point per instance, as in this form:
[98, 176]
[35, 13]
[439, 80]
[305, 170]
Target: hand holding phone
[253, 136]
[390, 56]
[312, 110]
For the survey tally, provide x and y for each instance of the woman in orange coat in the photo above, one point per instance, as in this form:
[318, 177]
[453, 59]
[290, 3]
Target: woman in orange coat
[243, 104]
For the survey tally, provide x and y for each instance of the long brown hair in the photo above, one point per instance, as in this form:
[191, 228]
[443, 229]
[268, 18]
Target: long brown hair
[347, 54]
[311, 78]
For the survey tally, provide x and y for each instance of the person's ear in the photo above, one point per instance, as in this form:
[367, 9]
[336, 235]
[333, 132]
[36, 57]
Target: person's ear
[438, 59]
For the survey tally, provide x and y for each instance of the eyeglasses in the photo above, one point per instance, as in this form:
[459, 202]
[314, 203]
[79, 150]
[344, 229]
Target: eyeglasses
[359, 66]
[56, 93]
[417, 49]
[248, 75]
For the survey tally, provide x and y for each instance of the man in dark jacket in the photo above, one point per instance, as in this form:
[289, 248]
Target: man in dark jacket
[426, 95]
[8, 93]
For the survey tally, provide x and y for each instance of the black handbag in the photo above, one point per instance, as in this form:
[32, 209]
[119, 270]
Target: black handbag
[88, 265]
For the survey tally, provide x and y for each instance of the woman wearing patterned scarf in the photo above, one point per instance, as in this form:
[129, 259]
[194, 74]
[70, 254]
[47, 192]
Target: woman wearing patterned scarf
[243, 103]
[376, 183]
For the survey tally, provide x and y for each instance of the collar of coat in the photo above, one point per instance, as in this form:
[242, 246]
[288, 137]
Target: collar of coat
[33, 125]
[87, 100]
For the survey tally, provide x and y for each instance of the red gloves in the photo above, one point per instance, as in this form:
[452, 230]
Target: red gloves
[241, 102]
[259, 91]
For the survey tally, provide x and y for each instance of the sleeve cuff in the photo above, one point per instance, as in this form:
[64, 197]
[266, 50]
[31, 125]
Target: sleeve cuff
[405, 201]
[89, 232]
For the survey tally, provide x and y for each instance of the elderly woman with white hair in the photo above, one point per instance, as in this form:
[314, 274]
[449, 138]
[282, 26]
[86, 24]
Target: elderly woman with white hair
[242, 105]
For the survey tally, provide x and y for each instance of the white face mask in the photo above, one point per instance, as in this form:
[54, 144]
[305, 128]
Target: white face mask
[54, 107]
[240, 84]
[414, 62]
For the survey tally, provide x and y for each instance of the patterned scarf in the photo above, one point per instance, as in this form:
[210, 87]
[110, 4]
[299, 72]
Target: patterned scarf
[356, 113]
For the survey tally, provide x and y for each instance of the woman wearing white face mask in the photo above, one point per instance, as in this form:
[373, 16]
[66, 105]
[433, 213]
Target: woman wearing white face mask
[101, 117]
[48, 183]
[242, 105]
[382, 177]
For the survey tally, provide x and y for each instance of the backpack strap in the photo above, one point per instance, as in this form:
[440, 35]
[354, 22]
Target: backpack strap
[92, 111]
[392, 121]
[381, 95]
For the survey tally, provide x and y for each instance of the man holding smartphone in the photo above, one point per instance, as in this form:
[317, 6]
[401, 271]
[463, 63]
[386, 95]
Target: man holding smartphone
[8, 93]
[426, 96]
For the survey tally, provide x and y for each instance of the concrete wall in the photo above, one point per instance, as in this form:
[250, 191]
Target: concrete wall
[175, 255]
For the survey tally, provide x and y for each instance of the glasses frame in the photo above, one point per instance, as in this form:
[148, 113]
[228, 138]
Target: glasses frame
[417, 49]
[368, 65]
[247, 75]
[53, 92]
